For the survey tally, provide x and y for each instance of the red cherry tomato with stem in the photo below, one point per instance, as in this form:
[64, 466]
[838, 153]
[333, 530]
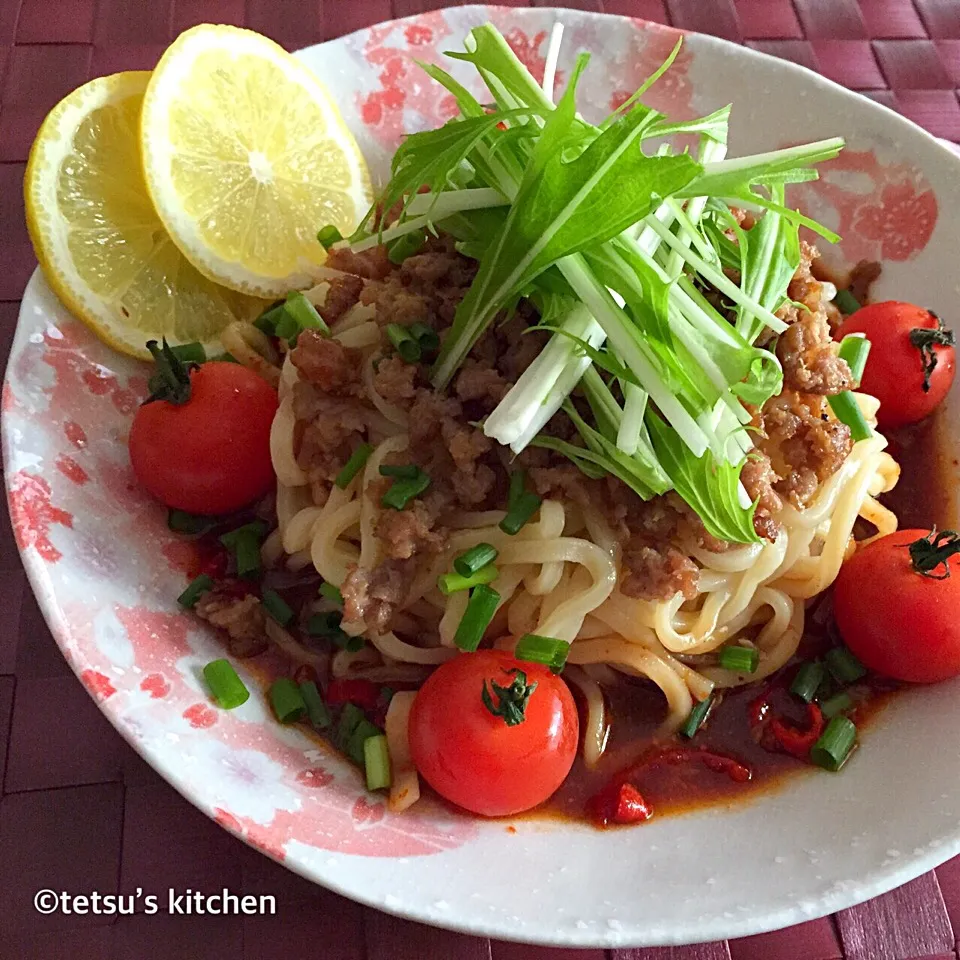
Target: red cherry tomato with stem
[499, 761]
[204, 444]
[897, 605]
[912, 360]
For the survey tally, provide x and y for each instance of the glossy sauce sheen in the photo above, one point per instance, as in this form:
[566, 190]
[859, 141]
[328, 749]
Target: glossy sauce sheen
[637, 707]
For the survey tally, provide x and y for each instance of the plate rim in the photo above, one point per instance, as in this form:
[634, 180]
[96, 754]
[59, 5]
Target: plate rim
[880, 880]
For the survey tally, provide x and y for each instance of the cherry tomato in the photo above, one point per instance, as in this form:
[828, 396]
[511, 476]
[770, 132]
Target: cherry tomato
[210, 453]
[475, 757]
[912, 360]
[898, 610]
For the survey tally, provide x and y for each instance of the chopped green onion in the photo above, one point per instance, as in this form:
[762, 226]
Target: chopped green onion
[404, 342]
[519, 512]
[300, 314]
[287, 700]
[468, 563]
[317, 711]
[358, 460]
[481, 607]
[227, 688]
[244, 544]
[449, 583]
[350, 718]
[402, 471]
[277, 607]
[546, 650]
[847, 410]
[425, 336]
[518, 483]
[846, 302]
[190, 353]
[807, 681]
[834, 746]
[838, 704]
[401, 492]
[329, 592]
[345, 642]
[740, 659]
[328, 236]
[179, 521]
[406, 246]
[363, 731]
[855, 348]
[268, 320]
[196, 587]
[844, 666]
[376, 762]
[696, 717]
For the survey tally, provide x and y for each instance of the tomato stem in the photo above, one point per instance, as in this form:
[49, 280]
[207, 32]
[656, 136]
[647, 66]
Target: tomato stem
[934, 550]
[171, 382]
[925, 339]
[513, 700]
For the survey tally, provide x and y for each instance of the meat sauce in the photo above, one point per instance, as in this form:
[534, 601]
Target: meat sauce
[672, 774]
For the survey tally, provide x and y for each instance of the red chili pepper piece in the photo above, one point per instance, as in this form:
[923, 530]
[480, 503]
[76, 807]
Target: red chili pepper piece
[620, 803]
[717, 762]
[363, 693]
[798, 742]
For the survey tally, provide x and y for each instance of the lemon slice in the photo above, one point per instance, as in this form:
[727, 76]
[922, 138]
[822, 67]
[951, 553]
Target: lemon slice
[246, 158]
[97, 237]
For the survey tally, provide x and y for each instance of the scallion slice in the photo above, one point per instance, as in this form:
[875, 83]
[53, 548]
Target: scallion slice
[358, 460]
[287, 701]
[406, 246]
[195, 589]
[268, 320]
[277, 607]
[847, 410]
[518, 483]
[329, 592]
[400, 471]
[427, 338]
[835, 745]
[836, 704]
[376, 762]
[481, 607]
[225, 685]
[520, 512]
[547, 650]
[855, 348]
[844, 666]
[846, 302]
[317, 711]
[363, 731]
[740, 659]
[696, 717]
[190, 353]
[449, 583]
[404, 342]
[244, 544]
[179, 521]
[324, 624]
[328, 236]
[401, 492]
[468, 563]
[350, 718]
[303, 314]
[807, 681]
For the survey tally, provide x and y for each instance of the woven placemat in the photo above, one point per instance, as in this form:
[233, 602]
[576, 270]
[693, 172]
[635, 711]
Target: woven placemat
[79, 810]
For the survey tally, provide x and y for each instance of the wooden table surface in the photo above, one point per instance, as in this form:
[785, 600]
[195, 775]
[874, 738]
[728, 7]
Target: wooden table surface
[61, 761]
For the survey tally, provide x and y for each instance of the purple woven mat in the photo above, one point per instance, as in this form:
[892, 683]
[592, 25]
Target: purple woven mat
[63, 764]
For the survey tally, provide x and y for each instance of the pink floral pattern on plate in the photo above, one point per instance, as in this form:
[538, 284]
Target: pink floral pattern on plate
[106, 570]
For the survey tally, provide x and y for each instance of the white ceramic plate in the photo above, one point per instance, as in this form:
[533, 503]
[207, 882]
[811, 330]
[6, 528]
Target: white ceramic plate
[107, 572]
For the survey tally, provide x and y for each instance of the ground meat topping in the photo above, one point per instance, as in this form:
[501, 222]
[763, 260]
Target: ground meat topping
[657, 573]
[242, 617]
[342, 293]
[758, 478]
[372, 596]
[806, 349]
[396, 381]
